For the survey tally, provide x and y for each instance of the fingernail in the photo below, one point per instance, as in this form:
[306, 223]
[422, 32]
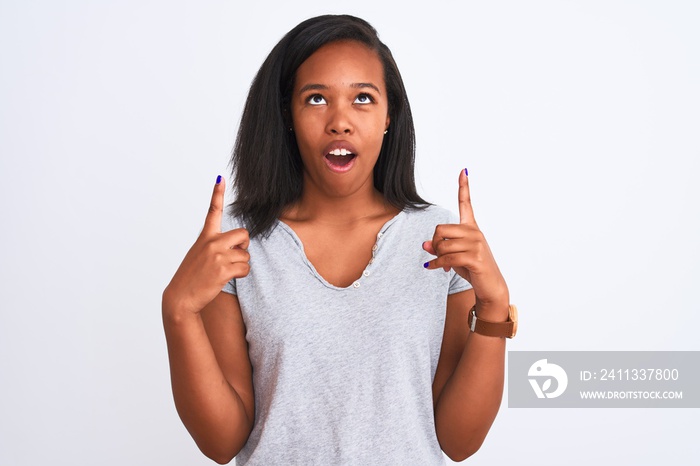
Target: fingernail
[426, 265]
[218, 179]
[466, 172]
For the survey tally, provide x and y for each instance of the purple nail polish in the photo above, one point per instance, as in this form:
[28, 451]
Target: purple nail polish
[218, 179]
[426, 265]
[466, 172]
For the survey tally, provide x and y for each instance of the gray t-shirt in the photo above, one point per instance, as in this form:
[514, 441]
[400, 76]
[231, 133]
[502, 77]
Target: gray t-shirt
[343, 376]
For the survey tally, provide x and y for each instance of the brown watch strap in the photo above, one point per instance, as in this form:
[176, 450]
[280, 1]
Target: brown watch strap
[493, 329]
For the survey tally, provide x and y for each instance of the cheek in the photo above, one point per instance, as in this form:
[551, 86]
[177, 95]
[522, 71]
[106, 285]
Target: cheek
[303, 131]
[308, 124]
[304, 148]
[307, 146]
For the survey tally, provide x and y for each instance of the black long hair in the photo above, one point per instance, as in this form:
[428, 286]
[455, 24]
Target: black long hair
[266, 165]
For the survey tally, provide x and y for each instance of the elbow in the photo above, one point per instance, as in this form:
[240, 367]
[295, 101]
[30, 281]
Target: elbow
[221, 459]
[460, 456]
[460, 453]
[461, 436]
[460, 447]
[220, 456]
[220, 444]
[221, 451]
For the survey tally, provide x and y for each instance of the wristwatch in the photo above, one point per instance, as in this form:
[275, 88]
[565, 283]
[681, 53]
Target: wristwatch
[506, 329]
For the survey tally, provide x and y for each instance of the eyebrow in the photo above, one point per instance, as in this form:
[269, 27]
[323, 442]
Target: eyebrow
[323, 87]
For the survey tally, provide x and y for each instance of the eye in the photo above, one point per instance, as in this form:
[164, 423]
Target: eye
[316, 99]
[364, 99]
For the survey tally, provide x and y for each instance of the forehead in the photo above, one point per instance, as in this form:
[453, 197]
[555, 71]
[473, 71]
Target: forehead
[341, 63]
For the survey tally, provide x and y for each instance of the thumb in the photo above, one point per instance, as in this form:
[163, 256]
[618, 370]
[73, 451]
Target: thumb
[212, 224]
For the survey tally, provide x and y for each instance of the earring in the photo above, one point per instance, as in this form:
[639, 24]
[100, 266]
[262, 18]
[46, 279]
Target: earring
[291, 130]
[386, 131]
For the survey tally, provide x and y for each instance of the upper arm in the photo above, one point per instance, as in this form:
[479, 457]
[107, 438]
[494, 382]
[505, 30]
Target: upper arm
[454, 338]
[226, 330]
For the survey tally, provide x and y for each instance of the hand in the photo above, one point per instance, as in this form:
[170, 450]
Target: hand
[213, 260]
[463, 248]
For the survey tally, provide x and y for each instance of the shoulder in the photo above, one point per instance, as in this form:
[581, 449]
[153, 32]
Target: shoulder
[419, 224]
[275, 238]
[230, 221]
[431, 215]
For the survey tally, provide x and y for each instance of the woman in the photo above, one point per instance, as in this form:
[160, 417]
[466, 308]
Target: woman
[335, 340]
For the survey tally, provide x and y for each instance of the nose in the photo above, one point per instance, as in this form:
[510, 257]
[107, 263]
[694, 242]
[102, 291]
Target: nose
[339, 121]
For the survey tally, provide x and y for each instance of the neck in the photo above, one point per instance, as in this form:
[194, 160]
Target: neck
[317, 207]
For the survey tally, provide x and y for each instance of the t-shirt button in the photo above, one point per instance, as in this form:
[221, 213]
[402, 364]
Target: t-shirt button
[379, 235]
[356, 284]
[366, 273]
[374, 248]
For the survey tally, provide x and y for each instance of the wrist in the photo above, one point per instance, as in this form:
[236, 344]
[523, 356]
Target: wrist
[494, 328]
[175, 310]
[495, 311]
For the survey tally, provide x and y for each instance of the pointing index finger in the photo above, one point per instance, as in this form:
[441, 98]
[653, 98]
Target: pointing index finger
[466, 214]
[212, 224]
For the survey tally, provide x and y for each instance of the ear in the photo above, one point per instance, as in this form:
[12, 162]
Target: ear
[386, 125]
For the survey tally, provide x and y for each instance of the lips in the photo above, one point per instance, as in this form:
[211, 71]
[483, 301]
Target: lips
[339, 156]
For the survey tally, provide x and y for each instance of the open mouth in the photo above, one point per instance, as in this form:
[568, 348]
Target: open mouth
[340, 157]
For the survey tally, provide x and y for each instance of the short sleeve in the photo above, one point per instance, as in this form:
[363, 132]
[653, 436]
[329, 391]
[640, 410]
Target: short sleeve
[458, 284]
[228, 223]
[230, 287]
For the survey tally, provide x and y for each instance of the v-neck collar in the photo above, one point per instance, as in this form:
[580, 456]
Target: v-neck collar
[368, 268]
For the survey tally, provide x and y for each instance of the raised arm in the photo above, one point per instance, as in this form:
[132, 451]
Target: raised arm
[209, 367]
[468, 384]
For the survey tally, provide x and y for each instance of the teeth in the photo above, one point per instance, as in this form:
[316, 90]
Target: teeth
[341, 152]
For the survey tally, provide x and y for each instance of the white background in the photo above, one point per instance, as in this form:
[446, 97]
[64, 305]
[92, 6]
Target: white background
[579, 123]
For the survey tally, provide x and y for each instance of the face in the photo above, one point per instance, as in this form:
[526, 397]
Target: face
[340, 112]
